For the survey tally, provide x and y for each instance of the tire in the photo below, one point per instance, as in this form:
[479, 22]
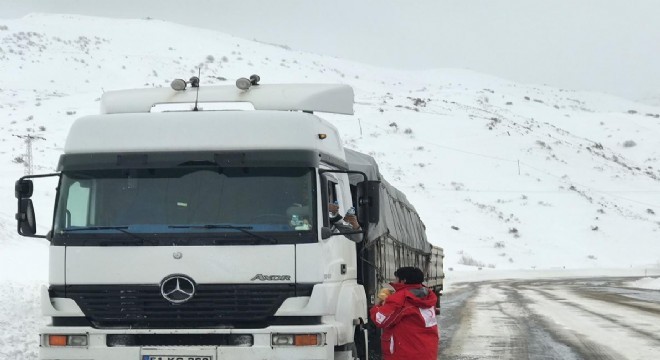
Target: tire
[359, 347]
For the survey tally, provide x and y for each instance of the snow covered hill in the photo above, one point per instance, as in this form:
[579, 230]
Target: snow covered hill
[505, 175]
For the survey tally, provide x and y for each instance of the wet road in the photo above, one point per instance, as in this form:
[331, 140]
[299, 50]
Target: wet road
[595, 318]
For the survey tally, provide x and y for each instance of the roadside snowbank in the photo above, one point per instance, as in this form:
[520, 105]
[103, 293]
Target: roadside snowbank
[453, 279]
[646, 283]
[20, 320]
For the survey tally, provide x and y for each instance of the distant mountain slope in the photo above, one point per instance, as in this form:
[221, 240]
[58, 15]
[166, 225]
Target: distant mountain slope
[505, 175]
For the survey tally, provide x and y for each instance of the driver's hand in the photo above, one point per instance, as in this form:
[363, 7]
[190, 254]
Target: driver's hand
[352, 219]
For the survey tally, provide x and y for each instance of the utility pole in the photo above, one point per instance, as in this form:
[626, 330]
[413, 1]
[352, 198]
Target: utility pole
[27, 161]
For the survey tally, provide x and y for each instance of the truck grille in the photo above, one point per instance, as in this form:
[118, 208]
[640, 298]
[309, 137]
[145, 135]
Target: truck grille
[143, 306]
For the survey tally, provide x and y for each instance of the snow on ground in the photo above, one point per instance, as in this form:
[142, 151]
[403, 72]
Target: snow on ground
[550, 318]
[453, 278]
[20, 320]
[576, 317]
[506, 176]
[646, 283]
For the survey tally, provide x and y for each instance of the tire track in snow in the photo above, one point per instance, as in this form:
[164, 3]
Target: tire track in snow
[653, 308]
[591, 334]
[542, 343]
[495, 324]
[452, 309]
[645, 333]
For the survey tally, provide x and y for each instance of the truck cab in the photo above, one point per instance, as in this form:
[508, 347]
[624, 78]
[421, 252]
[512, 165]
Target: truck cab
[206, 234]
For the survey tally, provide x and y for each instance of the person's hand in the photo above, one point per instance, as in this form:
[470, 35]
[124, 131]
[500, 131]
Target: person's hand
[333, 208]
[352, 219]
[383, 294]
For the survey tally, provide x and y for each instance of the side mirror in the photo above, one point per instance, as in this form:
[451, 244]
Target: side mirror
[27, 223]
[369, 200]
[23, 189]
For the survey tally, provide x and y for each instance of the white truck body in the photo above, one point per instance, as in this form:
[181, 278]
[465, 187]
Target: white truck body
[225, 271]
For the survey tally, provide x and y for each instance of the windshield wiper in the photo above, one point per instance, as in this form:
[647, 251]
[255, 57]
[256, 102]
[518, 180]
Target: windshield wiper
[122, 229]
[244, 229]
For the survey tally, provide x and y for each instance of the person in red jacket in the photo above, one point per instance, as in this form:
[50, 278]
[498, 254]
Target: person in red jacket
[408, 319]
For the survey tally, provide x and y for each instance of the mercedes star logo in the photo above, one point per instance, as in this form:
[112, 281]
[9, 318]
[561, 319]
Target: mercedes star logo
[177, 289]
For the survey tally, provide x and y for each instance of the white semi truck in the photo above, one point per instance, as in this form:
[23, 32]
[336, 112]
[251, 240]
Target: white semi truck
[205, 234]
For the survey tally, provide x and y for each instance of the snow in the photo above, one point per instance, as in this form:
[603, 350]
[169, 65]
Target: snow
[20, 320]
[571, 317]
[513, 179]
[646, 283]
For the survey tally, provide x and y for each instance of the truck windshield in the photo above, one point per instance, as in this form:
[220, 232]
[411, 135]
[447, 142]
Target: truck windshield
[201, 201]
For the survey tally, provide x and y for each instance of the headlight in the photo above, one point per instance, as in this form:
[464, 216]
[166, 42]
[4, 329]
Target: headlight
[66, 340]
[297, 339]
[282, 339]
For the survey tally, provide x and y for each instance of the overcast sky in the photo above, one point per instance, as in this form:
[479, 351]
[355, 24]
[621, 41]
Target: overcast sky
[603, 45]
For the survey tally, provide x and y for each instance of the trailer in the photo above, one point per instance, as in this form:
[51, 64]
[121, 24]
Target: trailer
[398, 239]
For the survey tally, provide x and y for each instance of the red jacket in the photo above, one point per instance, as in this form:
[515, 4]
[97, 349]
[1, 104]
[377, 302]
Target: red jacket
[408, 320]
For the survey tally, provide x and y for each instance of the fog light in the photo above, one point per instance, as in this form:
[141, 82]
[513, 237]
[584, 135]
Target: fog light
[242, 340]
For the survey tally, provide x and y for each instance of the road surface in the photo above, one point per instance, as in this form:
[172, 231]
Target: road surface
[595, 318]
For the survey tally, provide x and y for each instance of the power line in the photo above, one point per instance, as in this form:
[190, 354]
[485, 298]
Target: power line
[27, 161]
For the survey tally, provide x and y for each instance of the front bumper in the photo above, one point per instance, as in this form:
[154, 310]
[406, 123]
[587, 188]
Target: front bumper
[98, 349]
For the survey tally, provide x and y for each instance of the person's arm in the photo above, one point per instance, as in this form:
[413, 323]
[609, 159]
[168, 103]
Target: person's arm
[344, 228]
[388, 313]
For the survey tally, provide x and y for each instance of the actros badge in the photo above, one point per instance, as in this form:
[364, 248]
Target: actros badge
[263, 277]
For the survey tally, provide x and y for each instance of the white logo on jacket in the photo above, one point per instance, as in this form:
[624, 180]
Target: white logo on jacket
[380, 318]
[428, 314]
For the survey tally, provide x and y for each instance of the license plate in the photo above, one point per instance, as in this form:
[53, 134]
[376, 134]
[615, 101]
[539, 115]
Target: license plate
[176, 357]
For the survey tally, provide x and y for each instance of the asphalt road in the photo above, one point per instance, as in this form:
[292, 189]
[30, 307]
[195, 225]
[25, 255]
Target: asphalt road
[595, 318]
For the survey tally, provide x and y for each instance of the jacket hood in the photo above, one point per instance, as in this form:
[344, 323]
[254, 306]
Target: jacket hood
[417, 294]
